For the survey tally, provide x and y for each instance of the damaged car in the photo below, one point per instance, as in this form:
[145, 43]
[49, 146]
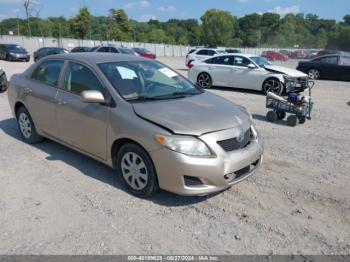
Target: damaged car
[247, 72]
[138, 116]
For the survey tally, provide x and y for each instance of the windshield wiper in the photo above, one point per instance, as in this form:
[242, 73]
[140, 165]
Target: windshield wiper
[143, 98]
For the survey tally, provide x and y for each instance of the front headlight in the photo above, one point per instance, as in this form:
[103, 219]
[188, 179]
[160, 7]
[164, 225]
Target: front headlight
[289, 78]
[185, 144]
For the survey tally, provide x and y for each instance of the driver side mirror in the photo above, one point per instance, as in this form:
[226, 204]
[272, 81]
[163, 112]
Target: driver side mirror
[251, 66]
[92, 97]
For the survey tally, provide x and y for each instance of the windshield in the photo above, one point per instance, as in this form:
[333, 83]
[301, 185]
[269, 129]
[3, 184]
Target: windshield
[16, 48]
[260, 61]
[221, 51]
[147, 80]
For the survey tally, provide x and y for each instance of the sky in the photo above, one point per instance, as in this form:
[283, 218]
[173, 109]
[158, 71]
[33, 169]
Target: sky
[143, 10]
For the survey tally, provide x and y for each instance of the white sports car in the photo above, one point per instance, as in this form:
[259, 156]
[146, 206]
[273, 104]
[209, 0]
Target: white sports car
[246, 71]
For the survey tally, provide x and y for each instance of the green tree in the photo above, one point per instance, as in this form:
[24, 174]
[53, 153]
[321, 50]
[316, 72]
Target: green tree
[81, 24]
[218, 27]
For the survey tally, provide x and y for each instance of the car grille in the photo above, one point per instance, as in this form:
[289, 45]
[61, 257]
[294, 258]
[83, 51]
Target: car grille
[234, 144]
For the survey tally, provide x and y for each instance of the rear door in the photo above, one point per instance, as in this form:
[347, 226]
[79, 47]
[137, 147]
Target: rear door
[82, 125]
[220, 69]
[40, 95]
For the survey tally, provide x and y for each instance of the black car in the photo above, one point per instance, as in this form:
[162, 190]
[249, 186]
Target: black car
[232, 51]
[3, 81]
[80, 49]
[12, 52]
[333, 67]
[46, 51]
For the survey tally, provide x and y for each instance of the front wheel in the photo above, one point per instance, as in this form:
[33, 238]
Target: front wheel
[314, 74]
[204, 80]
[27, 127]
[137, 170]
[272, 85]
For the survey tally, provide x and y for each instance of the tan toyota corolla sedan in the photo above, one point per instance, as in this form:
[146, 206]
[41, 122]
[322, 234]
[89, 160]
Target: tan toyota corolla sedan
[139, 117]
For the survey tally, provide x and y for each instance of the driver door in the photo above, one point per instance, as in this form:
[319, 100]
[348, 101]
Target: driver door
[244, 77]
[82, 125]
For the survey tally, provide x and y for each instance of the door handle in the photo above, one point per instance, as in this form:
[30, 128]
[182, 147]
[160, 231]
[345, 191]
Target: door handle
[27, 90]
[61, 102]
[212, 67]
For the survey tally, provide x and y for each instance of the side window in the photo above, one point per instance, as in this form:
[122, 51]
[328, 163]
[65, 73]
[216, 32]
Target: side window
[48, 72]
[332, 60]
[202, 52]
[345, 60]
[241, 61]
[210, 61]
[223, 60]
[211, 52]
[114, 50]
[80, 78]
[104, 49]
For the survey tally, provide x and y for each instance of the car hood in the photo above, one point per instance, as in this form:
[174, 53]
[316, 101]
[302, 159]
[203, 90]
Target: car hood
[284, 70]
[194, 115]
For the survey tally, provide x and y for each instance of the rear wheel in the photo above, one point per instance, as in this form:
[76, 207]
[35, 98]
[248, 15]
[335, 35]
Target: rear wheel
[137, 170]
[292, 120]
[314, 74]
[27, 127]
[204, 80]
[272, 85]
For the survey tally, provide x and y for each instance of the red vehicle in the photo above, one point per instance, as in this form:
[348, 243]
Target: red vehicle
[144, 53]
[274, 56]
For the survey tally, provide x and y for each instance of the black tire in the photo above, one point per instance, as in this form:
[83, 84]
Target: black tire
[24, 118]
[204, 80]
[273, 85]
[302, 120]
[271, 116]
[146, 179]
[8, 58]
[314, 74]
[281, 115]
[292, 120]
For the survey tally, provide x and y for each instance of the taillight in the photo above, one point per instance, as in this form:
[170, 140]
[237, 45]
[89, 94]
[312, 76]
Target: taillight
[190, 66]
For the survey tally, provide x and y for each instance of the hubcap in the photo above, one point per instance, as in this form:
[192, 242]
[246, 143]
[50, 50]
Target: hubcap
[204, 80]
[134, 171]
[25, 125]
[314, 74]
[273, 86]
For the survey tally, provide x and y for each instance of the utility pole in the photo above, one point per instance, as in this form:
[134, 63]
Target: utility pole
[26, 4]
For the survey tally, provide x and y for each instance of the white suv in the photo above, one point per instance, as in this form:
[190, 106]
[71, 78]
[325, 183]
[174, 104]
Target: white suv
[202, 53]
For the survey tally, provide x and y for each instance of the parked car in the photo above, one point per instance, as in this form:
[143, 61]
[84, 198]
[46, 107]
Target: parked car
[298, 54]
[274, 56]
[202, 53]
[232, 51]
[3, 81]
[247, 72]
[80, 49]
[286, 52]
[144, 53]
[12, 52]
[327, 52]
[46, 51]
[334, 67]
[115, 50]
[140, 117]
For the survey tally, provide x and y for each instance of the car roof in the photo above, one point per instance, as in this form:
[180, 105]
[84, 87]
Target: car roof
[96, 58]
[237, 54]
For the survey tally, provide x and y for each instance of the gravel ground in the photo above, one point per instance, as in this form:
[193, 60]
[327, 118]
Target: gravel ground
[56, 201]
